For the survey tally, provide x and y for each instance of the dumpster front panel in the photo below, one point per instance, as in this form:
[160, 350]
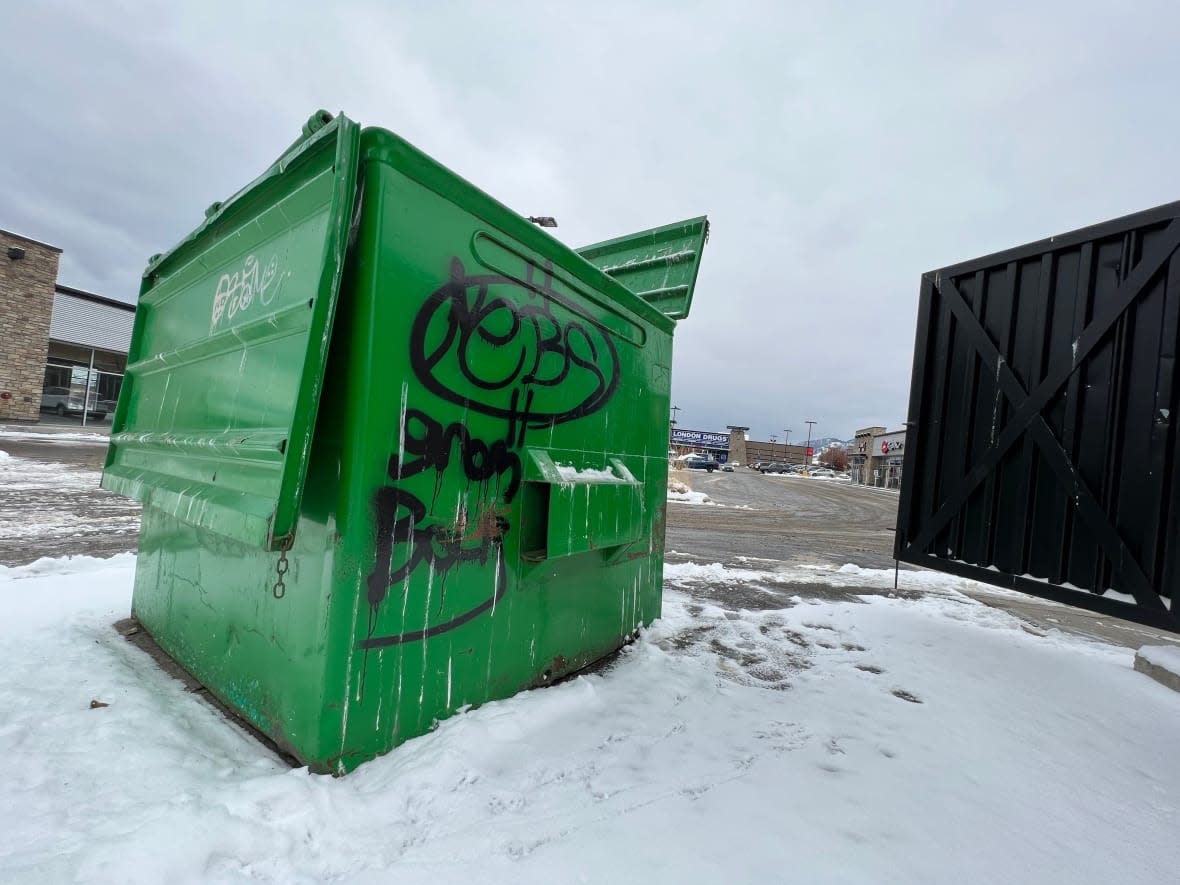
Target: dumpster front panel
[227, 356]
[510, 474]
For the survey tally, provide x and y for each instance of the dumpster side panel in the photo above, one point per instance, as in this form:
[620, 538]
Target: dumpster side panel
[227, 357]
[506, 480]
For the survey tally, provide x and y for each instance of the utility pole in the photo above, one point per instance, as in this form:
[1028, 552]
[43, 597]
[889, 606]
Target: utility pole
[786, 446]
[672, 425]
[807, 449]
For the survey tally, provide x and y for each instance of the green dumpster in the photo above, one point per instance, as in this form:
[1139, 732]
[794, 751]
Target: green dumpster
[400, 451]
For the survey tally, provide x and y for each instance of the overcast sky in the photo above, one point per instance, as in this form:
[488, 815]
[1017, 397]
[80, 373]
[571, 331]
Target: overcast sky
[839, 149]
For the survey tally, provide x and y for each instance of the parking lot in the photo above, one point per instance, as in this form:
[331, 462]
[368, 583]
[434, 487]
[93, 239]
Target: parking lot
[791, 519]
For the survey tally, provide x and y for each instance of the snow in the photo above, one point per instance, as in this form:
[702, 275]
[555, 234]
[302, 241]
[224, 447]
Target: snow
[871, 739]
[812, 478]
[38, 501]
[55, 437]
[680, 492]
[1165, 657]
[587, 474]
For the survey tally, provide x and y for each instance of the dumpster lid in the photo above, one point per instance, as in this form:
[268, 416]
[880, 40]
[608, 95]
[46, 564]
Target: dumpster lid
[214, 422]
[659, 265]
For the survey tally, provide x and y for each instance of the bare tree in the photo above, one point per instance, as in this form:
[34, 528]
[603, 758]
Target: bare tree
[834, 457]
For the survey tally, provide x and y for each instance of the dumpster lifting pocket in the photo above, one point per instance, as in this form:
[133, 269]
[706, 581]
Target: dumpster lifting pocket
[567, 509]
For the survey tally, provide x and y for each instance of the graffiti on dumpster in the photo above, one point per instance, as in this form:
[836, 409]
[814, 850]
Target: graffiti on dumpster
[238, 290]
[431, 444]
[402, 517]
[520, 352]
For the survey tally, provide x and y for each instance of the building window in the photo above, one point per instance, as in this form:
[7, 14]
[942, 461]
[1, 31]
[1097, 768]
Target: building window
[67, 387]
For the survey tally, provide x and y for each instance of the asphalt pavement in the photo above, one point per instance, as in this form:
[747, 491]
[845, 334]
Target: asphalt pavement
[792, 519]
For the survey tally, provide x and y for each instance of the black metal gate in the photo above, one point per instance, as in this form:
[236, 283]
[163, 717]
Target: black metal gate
[1042, 449]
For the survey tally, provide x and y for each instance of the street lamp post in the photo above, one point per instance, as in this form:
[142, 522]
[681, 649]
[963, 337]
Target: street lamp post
[807, 448]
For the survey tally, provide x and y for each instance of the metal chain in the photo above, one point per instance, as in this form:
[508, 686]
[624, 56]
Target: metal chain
[280, 587]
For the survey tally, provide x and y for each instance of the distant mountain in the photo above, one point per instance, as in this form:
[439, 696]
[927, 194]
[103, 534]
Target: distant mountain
[823, 442]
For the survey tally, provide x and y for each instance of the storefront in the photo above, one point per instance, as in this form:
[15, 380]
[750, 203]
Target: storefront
[685, 442]
[888, 456]
[64, 351]
[88, 340]
[860, 455]
[87, 354]
[876, 457]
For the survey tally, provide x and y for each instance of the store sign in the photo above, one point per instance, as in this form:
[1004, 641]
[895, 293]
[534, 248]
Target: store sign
[700, 438]
[893, 445]
[810, 451]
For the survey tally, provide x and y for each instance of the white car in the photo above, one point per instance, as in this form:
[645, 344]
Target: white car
[66, 401]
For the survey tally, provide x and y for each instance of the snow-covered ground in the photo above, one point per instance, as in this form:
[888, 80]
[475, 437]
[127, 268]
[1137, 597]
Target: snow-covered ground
[922, 738]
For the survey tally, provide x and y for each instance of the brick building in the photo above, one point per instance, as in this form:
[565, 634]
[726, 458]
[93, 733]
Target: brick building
[61, 347]
[28, 275]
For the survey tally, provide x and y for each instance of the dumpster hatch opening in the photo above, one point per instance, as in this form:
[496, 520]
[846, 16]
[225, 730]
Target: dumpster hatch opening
[567, 509]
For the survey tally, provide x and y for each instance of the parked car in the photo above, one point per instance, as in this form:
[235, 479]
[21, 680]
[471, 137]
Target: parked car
[66, 401]
[774, 467]
[701, 462]
[727, 467]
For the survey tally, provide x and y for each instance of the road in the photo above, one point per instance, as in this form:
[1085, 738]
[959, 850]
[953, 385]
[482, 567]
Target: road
[51, 505]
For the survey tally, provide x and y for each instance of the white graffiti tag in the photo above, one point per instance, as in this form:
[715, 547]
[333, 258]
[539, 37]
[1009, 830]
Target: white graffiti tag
[237, 291]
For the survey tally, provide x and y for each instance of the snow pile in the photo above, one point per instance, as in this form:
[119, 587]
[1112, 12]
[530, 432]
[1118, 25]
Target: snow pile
[4, 456]
[684, 573]
[885, 740]
[1166, 657]
[680, 492]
